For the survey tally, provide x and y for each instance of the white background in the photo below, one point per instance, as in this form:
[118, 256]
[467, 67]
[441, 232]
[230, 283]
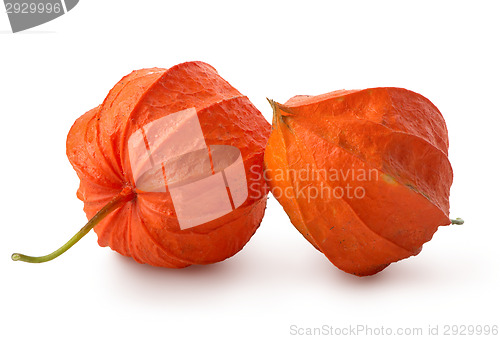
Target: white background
[51, 74]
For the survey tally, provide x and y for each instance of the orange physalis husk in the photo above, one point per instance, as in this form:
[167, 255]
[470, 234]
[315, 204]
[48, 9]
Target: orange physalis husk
[363, 174]
[207, 126]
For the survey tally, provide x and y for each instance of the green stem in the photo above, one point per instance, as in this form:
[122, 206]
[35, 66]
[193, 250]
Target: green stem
[457, 221]
[125, 195]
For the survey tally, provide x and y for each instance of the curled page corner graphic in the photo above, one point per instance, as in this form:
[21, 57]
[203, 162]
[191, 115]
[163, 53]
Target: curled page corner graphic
[28, 14]
[204, 181]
